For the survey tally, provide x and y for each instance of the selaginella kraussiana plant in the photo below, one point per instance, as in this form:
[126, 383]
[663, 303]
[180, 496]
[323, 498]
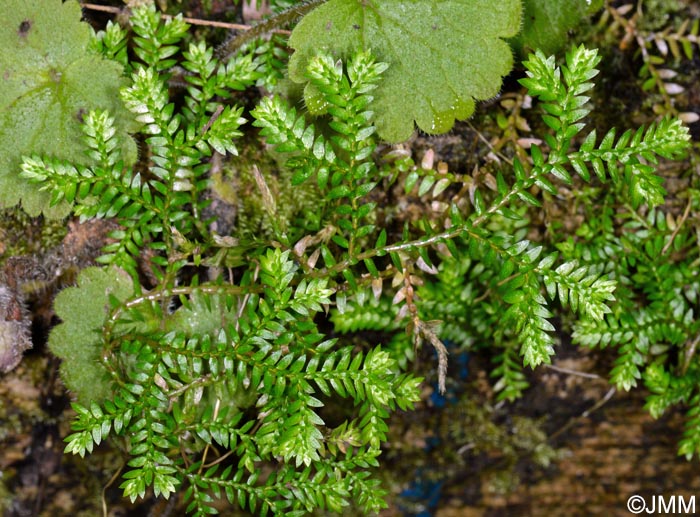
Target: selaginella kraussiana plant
[218, 385]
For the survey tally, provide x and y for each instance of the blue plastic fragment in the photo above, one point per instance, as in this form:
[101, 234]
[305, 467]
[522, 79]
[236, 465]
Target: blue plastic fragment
[423, 495]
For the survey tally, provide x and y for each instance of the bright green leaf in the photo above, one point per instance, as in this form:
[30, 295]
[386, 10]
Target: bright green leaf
[442, 55]
[49, 78]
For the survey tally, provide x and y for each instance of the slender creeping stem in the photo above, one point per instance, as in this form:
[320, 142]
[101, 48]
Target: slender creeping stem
[272, 24]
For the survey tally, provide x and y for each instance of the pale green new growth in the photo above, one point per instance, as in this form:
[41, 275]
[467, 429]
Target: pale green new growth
[442, 55]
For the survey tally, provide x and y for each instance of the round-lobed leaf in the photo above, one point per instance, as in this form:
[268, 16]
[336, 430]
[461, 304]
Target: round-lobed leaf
[49, 79]
[442, 55]
[546, 23]
[77, 340]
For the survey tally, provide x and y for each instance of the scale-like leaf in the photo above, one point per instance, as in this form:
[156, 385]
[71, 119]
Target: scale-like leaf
[48, 80]
[442, 54]
[203, 314]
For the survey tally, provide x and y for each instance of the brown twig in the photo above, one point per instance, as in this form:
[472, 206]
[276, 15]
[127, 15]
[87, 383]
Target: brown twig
[192, 21]
[677, 229]
[689, 353]
[212, 119]
[271, 24]
[587, 413]
[206, 449]
[103, 497]
[427, 333]
[572, 372]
